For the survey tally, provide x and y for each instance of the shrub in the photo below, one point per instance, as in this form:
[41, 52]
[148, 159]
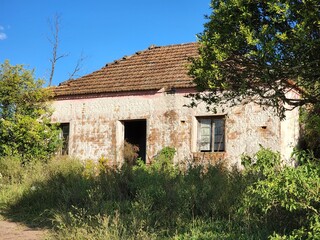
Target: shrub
[287, 202]
[130, 153]
[163, 161]
[25, 128]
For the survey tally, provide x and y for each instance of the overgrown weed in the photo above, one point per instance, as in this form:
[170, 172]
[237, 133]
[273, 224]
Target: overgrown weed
[160, 201]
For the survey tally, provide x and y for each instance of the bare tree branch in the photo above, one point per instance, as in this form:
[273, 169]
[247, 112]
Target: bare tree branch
[77, 67]
[54, 40]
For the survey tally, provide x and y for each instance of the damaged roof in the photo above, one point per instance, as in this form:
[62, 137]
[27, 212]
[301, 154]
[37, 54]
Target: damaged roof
[152, 69]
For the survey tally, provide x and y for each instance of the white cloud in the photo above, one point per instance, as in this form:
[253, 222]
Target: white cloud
[3, 36]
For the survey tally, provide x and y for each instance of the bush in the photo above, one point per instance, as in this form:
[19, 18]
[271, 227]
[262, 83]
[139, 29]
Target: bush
[130, 153]
[25, 127]
[283, 198]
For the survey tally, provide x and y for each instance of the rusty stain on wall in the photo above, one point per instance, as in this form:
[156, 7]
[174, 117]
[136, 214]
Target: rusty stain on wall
[93, 126]
[233, 135]
[170, 116]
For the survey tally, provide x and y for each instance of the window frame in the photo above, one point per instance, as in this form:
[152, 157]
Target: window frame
[212, 129]
[65, 137]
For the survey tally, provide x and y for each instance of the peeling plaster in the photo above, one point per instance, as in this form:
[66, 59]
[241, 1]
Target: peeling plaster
[96, 130]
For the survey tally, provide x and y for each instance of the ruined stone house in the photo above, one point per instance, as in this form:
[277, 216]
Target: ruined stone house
[141, 98]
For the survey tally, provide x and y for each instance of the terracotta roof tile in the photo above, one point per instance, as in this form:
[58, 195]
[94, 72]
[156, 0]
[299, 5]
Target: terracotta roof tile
[151, 69]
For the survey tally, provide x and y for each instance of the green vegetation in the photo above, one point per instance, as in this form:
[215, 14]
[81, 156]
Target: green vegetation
[25, 129]
[249, 50]
[258, 50]
[310, 128]
[88, 200]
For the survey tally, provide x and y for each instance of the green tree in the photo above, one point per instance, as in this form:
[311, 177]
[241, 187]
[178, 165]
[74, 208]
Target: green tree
[259, 50]
[25, 128]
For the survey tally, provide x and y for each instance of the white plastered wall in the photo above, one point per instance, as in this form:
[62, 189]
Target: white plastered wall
[96, 127]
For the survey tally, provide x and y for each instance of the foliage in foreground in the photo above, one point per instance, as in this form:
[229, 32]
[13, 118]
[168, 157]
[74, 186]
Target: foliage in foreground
[284, 198]
[94, 201]
[25, 128]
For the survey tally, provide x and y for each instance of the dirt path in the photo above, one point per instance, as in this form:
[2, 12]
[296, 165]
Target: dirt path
[15, 231]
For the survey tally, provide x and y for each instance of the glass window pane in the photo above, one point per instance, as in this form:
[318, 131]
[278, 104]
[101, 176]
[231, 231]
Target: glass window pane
[205, 134]
[219, 135]
[211, 135]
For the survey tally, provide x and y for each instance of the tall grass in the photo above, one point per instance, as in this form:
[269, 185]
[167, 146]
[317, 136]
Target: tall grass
[94, 201]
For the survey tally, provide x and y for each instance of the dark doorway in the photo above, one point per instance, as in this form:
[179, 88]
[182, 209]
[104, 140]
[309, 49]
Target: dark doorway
[135, 132]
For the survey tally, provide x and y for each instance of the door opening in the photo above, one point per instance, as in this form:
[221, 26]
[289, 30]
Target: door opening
[135, 133]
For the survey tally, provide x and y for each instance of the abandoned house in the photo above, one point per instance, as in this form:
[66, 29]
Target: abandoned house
[141, 99]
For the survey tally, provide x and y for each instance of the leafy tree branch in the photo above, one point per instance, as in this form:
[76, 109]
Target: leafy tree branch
[262, 51]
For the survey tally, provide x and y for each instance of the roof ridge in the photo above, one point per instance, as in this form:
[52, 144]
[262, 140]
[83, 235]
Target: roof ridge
[151, 47]
[67, 82]
[179, 44]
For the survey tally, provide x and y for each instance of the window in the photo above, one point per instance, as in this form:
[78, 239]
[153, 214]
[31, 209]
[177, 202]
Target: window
[211, 136]
[64, 135]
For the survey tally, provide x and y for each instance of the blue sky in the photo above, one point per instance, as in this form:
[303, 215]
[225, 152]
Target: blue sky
[102, 30]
